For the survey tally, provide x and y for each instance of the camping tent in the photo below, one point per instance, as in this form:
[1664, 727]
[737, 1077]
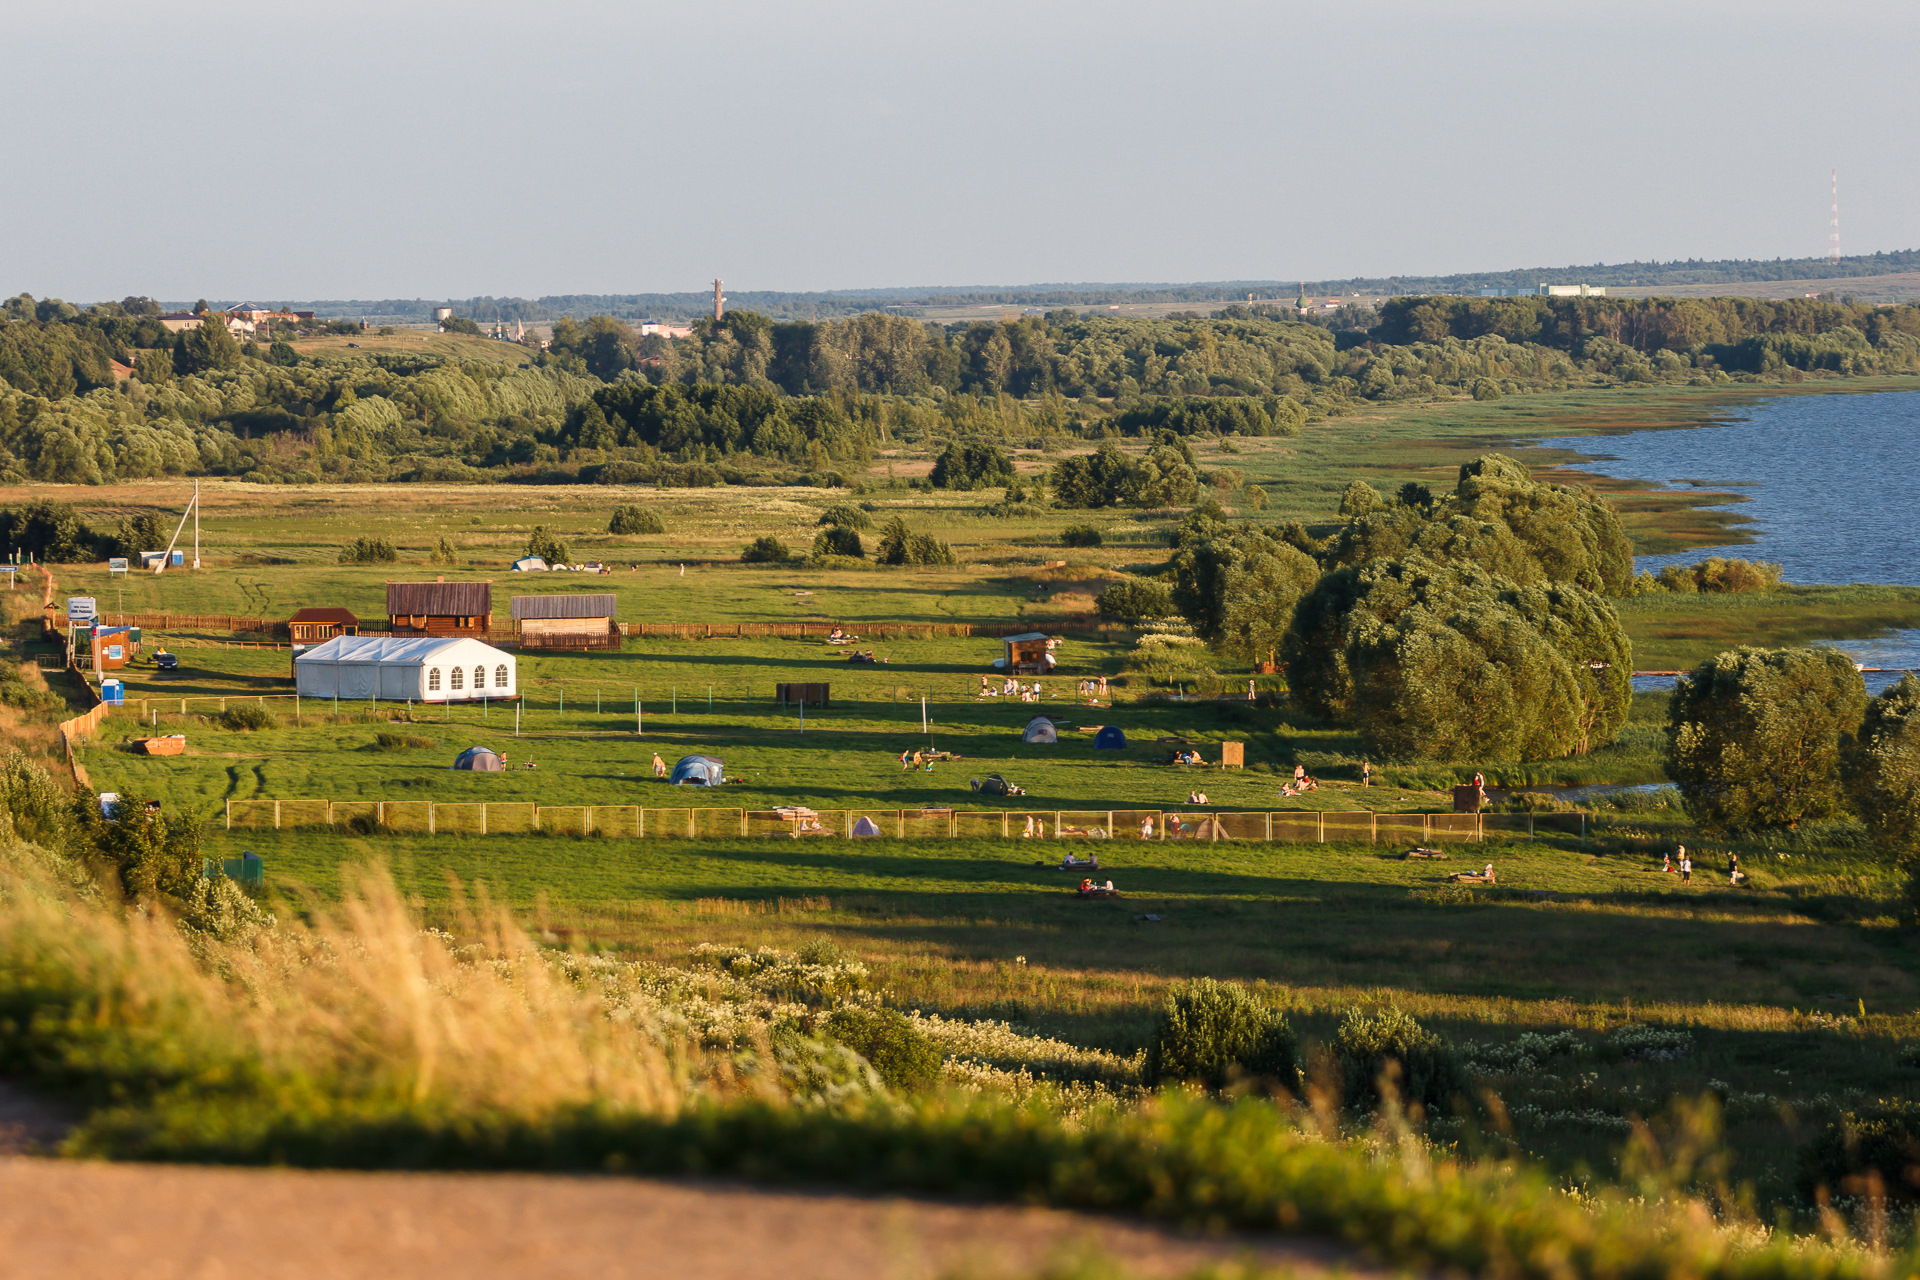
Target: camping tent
[406, 669]
[479, 759]
[1040, 729]
[865, 827]
[529, 564]
[698, 771]
[1110, 738]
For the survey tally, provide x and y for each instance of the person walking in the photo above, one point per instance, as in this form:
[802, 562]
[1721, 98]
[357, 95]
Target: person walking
[1686, 869]
[1366, 774]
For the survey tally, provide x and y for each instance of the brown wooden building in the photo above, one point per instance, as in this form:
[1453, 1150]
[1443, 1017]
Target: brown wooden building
[440, 608]
[567, 621]
[311, 626]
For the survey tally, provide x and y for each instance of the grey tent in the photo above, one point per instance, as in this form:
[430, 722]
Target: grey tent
[698, 771]
[1040, 729]
[1110, 738]
[479, 759]
[865, 827]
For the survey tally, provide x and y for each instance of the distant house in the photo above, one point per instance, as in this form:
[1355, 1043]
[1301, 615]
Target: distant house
[440, 608]
[310, 626]
[178, 321]
[567, 622]
[665, 328]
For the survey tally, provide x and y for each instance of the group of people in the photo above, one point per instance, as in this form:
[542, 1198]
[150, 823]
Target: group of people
[1196, 797]
[1010, 688]
[1680, 863]
[1092, 691]
[911, 758]
[1302, 783]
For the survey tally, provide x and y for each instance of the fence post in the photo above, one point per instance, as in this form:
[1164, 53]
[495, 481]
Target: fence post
[276, 815]
[1373, 829]
[1003, 824]
[639, 821]
[899, 824]
[380, 812]
[429, 817]
[690, 820]
[329, 813]
[229, 815]
[743, 812]
[586, 820]
[483, 818]
[1529, 825]
[1270, 826]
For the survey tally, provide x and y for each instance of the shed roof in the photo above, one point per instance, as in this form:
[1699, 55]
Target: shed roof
[570, 606]
[1026, 636]
[439, 599]
[325, 616]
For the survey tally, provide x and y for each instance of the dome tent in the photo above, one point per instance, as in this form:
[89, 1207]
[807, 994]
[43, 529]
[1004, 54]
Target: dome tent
[479, 759]
[698, 771]
[1040, 729]
[866, 827]
[1110, 738]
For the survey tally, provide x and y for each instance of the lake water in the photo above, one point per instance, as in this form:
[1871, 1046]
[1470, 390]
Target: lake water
[1833, 483]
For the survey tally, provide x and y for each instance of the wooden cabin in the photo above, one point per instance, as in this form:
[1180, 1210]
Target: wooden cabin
[440, 608]
[567, 621]
[311, 626]
[1026, 654]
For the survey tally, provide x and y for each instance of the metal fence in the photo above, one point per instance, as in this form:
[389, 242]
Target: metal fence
[633, 822]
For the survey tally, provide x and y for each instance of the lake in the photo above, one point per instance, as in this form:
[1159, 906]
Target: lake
[1833, 483]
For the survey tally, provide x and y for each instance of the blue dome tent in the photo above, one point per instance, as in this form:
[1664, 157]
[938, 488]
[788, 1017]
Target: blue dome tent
[479, 759]
[1110, 738]
[698, 771]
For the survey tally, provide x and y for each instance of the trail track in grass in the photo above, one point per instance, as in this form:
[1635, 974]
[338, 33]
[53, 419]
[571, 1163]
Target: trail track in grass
[88, 1219]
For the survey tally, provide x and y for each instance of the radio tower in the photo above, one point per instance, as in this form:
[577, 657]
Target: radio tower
[1833, 234]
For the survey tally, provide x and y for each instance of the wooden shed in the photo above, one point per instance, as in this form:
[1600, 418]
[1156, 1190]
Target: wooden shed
[440, 608]
[567, 621]
[1027, 654]
[311, 626]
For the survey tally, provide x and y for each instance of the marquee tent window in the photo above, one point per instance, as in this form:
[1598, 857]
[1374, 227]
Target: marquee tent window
[500, 676]
[479, 677]
[458, 679]
[433, 679]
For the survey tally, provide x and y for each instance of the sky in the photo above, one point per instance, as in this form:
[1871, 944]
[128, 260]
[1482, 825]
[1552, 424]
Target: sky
[421, 148]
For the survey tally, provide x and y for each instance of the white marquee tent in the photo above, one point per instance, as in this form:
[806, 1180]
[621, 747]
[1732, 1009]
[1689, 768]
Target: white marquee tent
[406, 668]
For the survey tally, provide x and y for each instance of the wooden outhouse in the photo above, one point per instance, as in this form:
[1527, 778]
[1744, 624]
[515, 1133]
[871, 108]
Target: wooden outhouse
[311, 626]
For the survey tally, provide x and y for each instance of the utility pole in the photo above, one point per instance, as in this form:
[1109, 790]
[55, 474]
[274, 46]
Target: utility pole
[1833, 241]
[719, 300]
[196, 524]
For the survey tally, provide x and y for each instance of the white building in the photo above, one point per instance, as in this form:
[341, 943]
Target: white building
[406, 669]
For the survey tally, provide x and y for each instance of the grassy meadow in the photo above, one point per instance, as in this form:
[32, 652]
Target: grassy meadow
[1790, 997]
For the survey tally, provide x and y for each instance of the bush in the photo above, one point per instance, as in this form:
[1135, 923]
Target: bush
[846, 516]
[971, 466]
[1848, 1150]
[903, 1057]
[838, 540]
[385, 741]
[1428, 1071]
[1216, 1032]
[1136, 598]
[1080, 535]
[765, 550]
[631, 519]
[899, 545]
[248, 717]
[1719, 577]
[369, 551]
[1486, 389]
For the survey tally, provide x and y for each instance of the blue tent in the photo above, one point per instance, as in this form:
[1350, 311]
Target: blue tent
[699, 771]
[1109, 738]
[480, 759]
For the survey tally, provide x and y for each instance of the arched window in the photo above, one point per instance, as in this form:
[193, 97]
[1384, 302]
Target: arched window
[433, 679]
[500, 676]
[459, 678]
[479, 677]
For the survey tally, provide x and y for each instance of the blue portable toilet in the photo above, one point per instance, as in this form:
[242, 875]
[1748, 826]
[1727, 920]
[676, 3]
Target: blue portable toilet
[179, 558]
[113, 693]
[1110, 738]
[698, 771]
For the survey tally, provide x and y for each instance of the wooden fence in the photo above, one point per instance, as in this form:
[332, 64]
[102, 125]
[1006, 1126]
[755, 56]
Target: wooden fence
[1130, 825]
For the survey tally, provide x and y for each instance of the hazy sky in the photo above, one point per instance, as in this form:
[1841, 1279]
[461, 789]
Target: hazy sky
[409, 148]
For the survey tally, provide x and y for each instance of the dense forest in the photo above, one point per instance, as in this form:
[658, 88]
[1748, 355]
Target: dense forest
[107, 392]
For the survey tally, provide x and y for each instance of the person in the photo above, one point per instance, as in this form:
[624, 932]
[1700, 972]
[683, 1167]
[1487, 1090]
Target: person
[1146, 827]
[1193, 797]
[1029, 831]
[659, 766]
[1109, 886]
[1103, 686]
[1490, 879]
[1202, 798]
[905, 757]
[1479, 783]
[683, 571]
[1299, 777]
[1733, 869]
[1666, 864]
[1366, 774]
[1686, 869]
[1086, 886]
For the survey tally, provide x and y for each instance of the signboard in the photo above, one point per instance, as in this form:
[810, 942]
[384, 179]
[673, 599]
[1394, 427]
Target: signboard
[117, 564]
[80, 609]
[116, 653]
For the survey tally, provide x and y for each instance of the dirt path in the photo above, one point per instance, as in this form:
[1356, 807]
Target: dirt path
[71, 1218]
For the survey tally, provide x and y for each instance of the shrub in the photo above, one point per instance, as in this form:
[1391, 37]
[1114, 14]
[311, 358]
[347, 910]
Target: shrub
[1216, 1032]
[542, 542]
[1486, 389]
[444, 553]
[1717, 576]
[904, 1058]
[838, 540]
[899, 545]
[1428, 1071]
[1136, 598]
[1080, 535]
[1754, 736]
[765, 550]
[386, 741]
[369, 551]
[971, 466]
[248, 717]
[846, 516]
[632, 519]
[1848, 1151]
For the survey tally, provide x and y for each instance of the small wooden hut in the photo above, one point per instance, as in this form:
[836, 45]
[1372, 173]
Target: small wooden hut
[1026, 654]
[440, 608]
[311, 626]
[567, 621]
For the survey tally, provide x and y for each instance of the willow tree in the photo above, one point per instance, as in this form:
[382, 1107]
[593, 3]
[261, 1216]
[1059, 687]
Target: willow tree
[1881, 769]
[1754, 736]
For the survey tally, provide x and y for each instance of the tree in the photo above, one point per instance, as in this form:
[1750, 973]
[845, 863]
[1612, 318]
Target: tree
[1881, 769]
[633, 519]
[766, 549]
[154, 367]
[1754, 736]
[1238, 587]
[369, 551]
[1359, 498]
[208, 345]
[1449, 662]
[899, 545]
[1136, 598]
[283, 354]
[443, 553]
[838, 540]
[847, 517]
[543, 543]
[971, 466]
[1080, 535]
